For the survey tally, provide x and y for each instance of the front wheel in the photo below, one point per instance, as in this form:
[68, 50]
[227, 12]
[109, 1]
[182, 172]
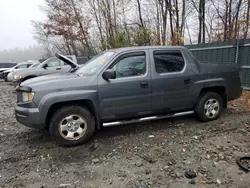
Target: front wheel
[72, 125]
[209, 107]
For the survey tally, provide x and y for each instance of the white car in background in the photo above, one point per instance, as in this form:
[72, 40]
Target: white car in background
[3, 69]
[18, 66]
[10, 76]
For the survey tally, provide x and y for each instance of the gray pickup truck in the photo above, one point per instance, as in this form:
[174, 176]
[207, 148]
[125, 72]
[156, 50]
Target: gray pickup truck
[126, 85]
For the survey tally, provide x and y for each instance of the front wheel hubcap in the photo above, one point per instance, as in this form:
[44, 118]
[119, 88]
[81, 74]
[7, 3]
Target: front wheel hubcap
[211, 108]
[72, 127]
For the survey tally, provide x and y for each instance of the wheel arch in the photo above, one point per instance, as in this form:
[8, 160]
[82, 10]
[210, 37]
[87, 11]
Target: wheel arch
[221, 90]
[88, 104]
[29, 77]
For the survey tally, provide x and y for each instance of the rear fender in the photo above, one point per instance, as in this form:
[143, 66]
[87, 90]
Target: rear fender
[208, 83]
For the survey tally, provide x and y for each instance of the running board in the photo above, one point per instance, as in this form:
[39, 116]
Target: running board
[147, 119]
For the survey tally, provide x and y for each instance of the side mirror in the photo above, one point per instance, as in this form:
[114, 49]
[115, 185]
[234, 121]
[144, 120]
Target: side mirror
[109, 74]
[45, 66]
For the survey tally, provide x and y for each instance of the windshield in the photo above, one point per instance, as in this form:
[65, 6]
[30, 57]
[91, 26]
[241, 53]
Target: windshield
[94, 64]
[16, 66]
[34, 65]
[21, 66]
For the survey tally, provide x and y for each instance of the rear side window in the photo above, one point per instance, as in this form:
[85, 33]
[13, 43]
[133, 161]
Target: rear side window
[168, 61]
[21, 66]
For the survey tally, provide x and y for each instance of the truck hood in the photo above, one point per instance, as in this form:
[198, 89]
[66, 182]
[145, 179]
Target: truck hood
[58, 82]
[52, 78]
[67, 60]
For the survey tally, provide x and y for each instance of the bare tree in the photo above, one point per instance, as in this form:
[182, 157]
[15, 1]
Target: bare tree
[201, 21]
[164, 5]
[247, 19]
[80, 27]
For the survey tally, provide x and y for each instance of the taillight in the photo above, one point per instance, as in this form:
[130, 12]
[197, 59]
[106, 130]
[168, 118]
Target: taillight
[240, 74]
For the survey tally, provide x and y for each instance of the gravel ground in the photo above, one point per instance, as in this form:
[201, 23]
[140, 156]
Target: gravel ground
[154, 154]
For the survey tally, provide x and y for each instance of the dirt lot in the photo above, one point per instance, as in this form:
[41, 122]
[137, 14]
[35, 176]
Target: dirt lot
[30, 158]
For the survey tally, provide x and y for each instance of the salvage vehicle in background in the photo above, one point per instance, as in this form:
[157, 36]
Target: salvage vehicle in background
[4, 67]
[123, 86]
[50, 66]
[10, 76]
[18, 66]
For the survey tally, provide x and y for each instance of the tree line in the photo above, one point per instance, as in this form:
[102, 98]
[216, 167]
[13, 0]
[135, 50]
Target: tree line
[17, 55]
[83, 27]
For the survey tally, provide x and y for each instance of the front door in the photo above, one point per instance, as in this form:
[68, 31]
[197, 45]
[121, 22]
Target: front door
[171, 81]
[127, 96]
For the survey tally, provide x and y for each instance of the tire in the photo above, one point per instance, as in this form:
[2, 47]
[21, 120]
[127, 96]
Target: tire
[209, 107]
[72, 126]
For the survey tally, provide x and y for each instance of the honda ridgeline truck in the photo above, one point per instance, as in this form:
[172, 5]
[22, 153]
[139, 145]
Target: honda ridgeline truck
[122, 86]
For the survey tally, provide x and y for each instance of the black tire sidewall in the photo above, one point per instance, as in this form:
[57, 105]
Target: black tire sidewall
[199, 108]
[64, 112]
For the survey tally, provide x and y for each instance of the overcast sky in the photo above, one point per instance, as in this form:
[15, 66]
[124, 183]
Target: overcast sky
[15, 22]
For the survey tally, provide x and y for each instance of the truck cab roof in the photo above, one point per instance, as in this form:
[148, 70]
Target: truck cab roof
[146, 48]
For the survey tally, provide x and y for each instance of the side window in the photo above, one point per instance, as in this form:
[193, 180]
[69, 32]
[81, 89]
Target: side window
[168, 62]
[28, 65]
[53, 62]
[22, 66]
[132, 65]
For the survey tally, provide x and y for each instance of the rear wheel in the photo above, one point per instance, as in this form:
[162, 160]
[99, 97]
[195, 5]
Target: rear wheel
[72, 125]
[209, 107]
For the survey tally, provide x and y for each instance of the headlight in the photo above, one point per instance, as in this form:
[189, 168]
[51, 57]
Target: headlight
[16, 77]
[27, 96]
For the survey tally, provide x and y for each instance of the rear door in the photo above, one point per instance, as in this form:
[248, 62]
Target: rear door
[170, 81]
[53, 66]
[127, 96]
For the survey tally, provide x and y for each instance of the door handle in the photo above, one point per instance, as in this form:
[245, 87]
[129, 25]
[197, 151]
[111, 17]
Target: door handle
[187, 80]
[144, 84]
[58, 68]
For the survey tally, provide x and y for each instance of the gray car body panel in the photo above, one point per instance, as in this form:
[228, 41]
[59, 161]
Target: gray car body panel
[124, 98]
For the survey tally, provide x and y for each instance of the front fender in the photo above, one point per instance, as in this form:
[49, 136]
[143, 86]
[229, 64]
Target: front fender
[65, 96]
[28, 73]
